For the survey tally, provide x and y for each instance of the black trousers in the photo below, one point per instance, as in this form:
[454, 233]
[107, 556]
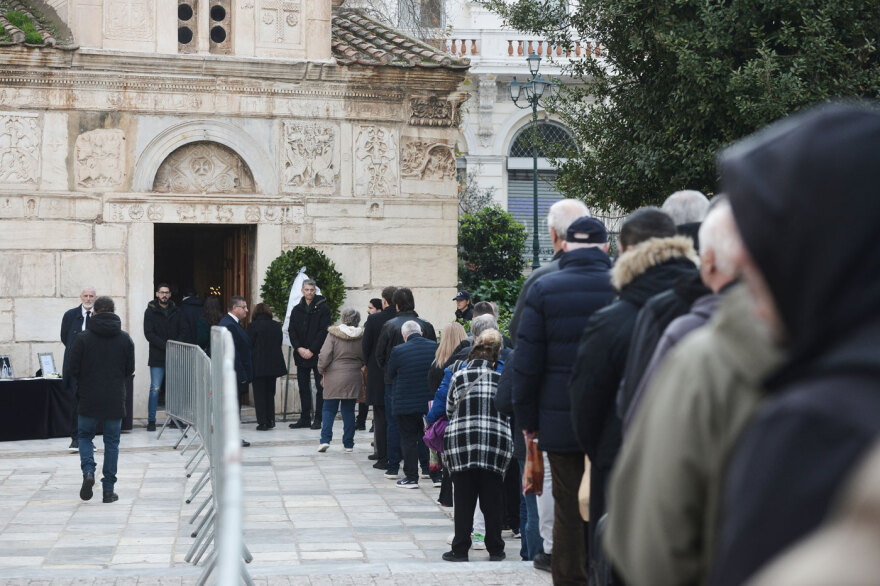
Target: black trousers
[264, 399]
[243, 389]
[363, 409]
[487, 486]
[412, 428]
[445, 497]
[512, 495]
[380, 433]
[303, 380]
[570, 532]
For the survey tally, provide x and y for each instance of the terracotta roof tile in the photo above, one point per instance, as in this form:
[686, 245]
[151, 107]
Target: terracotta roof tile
[21, 24]
[358, 39]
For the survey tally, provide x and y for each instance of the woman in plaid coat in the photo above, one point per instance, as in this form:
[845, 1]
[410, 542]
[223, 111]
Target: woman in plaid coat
[478, 447]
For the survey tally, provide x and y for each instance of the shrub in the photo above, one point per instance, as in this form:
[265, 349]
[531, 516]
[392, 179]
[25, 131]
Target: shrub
[282, 272]
[490, 245]
[21, 20]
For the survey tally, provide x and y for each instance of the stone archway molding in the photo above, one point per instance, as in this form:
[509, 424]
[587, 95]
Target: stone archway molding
[229, 135]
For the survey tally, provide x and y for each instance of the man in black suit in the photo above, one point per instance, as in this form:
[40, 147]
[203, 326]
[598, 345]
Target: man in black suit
[376, 376]
[244, 366]
[74, 322]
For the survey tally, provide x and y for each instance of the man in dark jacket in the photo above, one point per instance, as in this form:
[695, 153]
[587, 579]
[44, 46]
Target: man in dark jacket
[559, 217]
[814, 271]
[557, 309]
[192, 309]
[162, 322]
[309, 321]
[101, 360]
[390, 337]
[244, 366]
[408, 369]
[653, 259]
[376, 375]
[74, 322]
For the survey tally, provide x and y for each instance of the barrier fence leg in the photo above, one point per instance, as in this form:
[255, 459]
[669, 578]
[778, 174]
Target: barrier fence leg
[246, 577]
[210, 564]
[208, 515]
[182, 435]
[200, 509]
[194, 437]
[199, 485]
[246, 554]
[164, 425]
[202, 539]
[209, 539]
[193, 463]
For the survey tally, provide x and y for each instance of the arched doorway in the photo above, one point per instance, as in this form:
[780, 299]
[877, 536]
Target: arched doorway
[552, 138]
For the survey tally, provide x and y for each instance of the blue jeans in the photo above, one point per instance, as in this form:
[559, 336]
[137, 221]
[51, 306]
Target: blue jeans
[529, 523]
[328, 414]
[86, 433]
[157, 374]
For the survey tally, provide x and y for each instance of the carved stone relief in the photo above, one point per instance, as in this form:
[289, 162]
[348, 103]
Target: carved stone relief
[99, 159]
[200, 213]
[203, 167]
[278, 22]
[129, 19]
[434, 111]
[310, 156]
[426, 160]
[375, 172]
[19, 148]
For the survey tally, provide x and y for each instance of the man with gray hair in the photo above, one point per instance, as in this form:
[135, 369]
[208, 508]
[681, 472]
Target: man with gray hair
[75, 321]
[407, 369]
[687, 208]
[559, 218]
[309, 321]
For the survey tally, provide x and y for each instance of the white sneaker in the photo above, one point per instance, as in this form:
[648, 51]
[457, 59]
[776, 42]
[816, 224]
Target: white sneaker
[424, 475]
[478, 541]
[348, 450]
[323, 447]
[392, 476]
[450, 538]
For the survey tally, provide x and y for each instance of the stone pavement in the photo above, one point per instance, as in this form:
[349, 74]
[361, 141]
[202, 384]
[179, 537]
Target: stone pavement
[310, 518]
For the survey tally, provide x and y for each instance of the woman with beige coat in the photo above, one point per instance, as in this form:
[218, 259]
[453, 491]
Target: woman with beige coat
[341, 361]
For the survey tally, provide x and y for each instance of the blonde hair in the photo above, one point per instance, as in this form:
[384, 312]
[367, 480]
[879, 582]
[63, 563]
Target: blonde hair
[450, 338]
[487, 346]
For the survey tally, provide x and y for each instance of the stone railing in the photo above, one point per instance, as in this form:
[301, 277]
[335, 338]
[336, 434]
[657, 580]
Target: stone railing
[474, 46]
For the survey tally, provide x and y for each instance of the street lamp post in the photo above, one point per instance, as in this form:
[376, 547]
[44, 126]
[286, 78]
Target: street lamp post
[532, 91]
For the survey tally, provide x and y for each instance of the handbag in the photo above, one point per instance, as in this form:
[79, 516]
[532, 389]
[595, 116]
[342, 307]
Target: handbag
[433, 437]
[533, 471]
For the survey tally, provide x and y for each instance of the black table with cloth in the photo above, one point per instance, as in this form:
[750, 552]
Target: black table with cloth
[41, 408]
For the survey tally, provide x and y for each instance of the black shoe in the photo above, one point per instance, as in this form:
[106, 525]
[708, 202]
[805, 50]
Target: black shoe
[542, 561]
[245, 444]
[373, 457]
[74, 445]
[371, 428]
[361, 426]
[110, 496]
[381, 464]
[451, 557]
[85, 492]
[262, 427]
[316, 424]
[151, 426]
[301, 424]
[271, 425]
[497, 557]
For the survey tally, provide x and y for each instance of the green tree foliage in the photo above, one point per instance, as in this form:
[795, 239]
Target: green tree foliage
[490, 246]
[282, 272]
[679, 79]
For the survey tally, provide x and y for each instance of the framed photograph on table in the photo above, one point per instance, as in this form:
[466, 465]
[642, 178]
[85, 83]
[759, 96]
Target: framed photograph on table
[47, 363]
[5, 367]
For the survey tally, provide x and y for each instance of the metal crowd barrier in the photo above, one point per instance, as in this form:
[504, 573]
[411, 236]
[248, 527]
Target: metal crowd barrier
[206, 402]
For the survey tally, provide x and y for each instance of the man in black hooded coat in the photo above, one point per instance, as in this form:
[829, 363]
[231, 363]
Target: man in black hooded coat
[804, 196]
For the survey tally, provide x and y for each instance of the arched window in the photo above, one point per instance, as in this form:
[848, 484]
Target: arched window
[549, 133]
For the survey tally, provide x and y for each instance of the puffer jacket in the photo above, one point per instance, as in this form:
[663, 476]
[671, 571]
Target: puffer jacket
[408, 372]
[160, 326]
[308, 328]
[340, 361]
[557, 309]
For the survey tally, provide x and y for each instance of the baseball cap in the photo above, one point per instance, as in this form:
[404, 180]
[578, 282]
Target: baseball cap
[587, 230]
[462, 295]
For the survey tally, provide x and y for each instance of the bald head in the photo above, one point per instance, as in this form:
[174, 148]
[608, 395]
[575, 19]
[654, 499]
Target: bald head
[686, 207]
[720, 246]
[560, 217]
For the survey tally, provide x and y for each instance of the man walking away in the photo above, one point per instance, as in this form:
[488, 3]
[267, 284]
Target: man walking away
[101, 360]
[74, 322]
[193, 309]
[376, 376]
[162, 322]
[244, 366]
[309, 321]
[408, 371]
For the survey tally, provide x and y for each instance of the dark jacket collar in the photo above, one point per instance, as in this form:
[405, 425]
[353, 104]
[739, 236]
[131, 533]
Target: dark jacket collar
[584, 257]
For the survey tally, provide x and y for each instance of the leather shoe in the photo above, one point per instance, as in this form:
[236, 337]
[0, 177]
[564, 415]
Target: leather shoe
[381, 464]
[85, 492]
[361, 426]
[110, 496]
[301, 424]
[497, 557]
[262, 428]
[373, 457]
[451, 557]
[541, 561]
[245, 444]
[316, 424]
[151, 426]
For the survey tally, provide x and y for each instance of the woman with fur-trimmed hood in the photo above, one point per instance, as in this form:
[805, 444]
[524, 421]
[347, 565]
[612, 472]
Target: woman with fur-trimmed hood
[340, 362]
[653, 260]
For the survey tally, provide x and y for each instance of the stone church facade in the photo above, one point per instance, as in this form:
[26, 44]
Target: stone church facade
[298, 122]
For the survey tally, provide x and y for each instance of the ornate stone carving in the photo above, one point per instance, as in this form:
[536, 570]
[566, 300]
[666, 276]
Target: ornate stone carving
[278, 22]
[434, 111]
[310, 157]
[375, 162]
[117, 213]
[155, 213]
[186, 213]
[19, 148]
[99, 160]
[136, 211]
[203, 167]
[426, 160]
[30, 207]
[224, 214]
[252, 214]
[129, 19]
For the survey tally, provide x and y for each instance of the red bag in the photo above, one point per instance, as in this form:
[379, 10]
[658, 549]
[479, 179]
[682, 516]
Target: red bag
[533, 471]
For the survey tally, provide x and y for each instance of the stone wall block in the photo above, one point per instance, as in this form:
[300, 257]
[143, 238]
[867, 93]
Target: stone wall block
[352, 261]
[409, 209]
[27, 274]
[378, 231]
[296, 235]
[54, 235]
[359, 299]
[435, 305]
[87, 208]
[412, 266]
[421, 188]
[110, 236]
[6, 322]
[55, 152]
[38, 319]
[104, 271]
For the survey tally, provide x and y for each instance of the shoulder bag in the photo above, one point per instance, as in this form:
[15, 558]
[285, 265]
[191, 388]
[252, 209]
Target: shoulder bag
[433, 437]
